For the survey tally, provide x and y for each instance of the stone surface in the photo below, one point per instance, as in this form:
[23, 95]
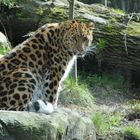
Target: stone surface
[63, 124]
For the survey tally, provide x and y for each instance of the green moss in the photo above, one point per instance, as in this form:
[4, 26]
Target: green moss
[133, 29]
[57, 14]
[58, 11]
[111, 29]
[117, 11]
[82, 9]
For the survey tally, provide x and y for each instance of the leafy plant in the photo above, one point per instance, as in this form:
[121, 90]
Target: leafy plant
[100, 46]
[4, 49]
[9, 3]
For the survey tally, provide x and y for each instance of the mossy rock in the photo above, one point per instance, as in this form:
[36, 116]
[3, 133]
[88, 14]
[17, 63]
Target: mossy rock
[63, 124]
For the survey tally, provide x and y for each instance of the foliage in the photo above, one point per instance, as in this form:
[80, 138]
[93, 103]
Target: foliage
[99, 120]
[9, 3]
[114, 118]
[131, 132]
[114, 81]
[100, 46]
[104, 122]
[4, 50]
[134, 105]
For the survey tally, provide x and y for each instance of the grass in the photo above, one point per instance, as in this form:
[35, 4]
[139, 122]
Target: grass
[104, 122]
[134, 105]
[131, 132]
[114, 81]
[114, 119]
[100, 122]
[81, 95]
[76, 94]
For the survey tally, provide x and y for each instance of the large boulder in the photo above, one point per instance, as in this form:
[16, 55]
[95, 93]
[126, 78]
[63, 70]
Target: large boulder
[63, 124]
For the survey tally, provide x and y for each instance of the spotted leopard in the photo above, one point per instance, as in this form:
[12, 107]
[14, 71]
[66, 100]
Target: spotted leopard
[31, 73]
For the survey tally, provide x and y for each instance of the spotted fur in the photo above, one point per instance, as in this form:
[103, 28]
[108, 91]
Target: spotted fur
[33, 70]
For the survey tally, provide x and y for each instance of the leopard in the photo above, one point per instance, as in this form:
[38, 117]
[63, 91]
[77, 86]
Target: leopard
[32, 72]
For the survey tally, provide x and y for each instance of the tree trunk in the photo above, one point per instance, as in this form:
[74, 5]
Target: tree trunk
[120, 32]
[71, 8]
[71, 16]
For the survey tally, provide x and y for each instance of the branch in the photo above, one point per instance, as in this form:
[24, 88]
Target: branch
[125, 35]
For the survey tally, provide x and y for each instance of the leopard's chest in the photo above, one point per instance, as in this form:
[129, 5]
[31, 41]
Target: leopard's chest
[68, 67]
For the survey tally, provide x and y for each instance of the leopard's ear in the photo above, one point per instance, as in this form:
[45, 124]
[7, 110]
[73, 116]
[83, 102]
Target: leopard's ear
[90, 25]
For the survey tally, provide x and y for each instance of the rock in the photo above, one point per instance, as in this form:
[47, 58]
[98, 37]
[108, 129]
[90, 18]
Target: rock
[63, 124]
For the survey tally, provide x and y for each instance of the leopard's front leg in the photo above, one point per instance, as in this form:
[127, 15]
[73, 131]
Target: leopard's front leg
[50, 93]
[51, 87]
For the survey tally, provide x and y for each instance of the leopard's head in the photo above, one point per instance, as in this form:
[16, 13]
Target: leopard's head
[78, 36]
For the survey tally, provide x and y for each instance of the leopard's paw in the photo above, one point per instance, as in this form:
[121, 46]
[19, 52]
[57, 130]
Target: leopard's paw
[40, 106]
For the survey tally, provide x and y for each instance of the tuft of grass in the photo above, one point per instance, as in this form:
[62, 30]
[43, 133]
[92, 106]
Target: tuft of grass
[76, 94]
[100, 122]
[104, 122]
[131, 132]
[114, 119]
[134, 105]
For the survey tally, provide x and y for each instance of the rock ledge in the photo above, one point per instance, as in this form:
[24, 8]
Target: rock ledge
[63, 124]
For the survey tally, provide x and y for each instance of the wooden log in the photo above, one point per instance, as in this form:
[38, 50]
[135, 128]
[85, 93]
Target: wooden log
[121, 37]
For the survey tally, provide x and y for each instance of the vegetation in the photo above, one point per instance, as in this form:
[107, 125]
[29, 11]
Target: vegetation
[109, 39]
[4, 49]
[131, 132]
[134, 105]
[76, 94]
[115, 81]
[9, 3]
[105, 122]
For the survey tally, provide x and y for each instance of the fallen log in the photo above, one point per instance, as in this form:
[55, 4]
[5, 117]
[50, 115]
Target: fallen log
[120, 32]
